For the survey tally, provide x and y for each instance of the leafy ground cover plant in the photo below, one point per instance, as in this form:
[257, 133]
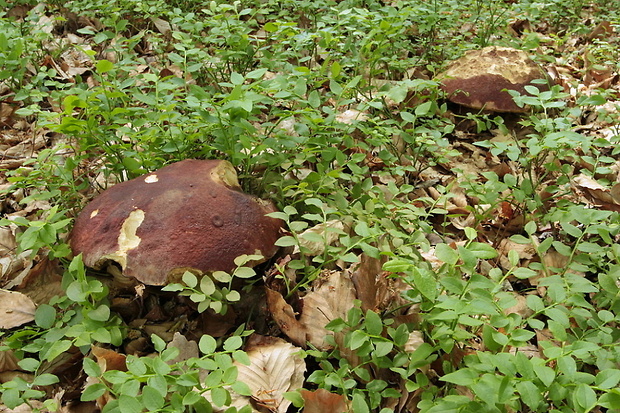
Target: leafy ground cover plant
[478, 252]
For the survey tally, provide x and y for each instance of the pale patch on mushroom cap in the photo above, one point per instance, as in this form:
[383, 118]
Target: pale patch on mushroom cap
[192, 215]
[477, 79]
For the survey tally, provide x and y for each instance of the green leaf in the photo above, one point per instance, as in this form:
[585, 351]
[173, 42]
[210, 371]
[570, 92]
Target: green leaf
[220, 396]
[116, 376]
[158, 343]
[77, 292]
[204, 305]
[241, 388]
[522, 335]
[29, 364]
[158, 383]
[190, 279]
[398, 93]
[584, 396]
[132, 164]
[608, 378]
[444, 253]
[160, 366]
[104, 66]
[93, 392]
[570, 229]
[244, 272]
[482, 251]
[233, 296]
[530, 228]
[45, 380]
[173, 287]
[45, 316]
[524, 273]
[314, 100]
[11, 398]
[424, 108]
[91, 368]
[335, 69]
[207, 286]
[359, 404]
[136, 366]
[397, 265]
[241, 357]
[233, 343]
[425, 282]
[221, 276]
[530, 394]
[335, 87]
[191, 398]
[558, 316]
[534, 303]
[236, 78]
[421, 354]
[57, 349]
[286, 241]
[545, 374]
[152, 399]
[610, 400]
[373, 323]
[256, 74]
[567, 366]
[383, 348]
[129, 404]
[462, 377]
[358, 339]
[604, 315]
[101, 313]
[207, 344]
[294, 397]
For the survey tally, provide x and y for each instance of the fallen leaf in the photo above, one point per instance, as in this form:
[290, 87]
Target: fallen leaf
[108, 359]
[16, 309]
[187, 348]
[8, 361]
[322, 401]
[331, 297]
[284, 316]
[275, 368]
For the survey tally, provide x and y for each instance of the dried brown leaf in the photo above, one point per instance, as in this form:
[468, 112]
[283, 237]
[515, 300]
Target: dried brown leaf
[331, 297]
[187, 348]
[284, 315]
[275, 368]
[16, 309]
[8, 361]
[322, 401]
[108, 359]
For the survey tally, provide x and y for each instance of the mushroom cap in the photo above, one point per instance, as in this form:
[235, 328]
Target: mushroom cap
[187, 215]
[478, 78]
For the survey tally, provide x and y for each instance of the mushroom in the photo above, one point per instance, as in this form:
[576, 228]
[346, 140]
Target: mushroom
[477, 80]
[187, 215]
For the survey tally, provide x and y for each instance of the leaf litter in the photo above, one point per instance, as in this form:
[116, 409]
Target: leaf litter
[275, 366]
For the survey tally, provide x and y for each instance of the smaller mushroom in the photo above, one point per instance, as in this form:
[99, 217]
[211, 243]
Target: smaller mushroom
[187, 215]
[477, 80]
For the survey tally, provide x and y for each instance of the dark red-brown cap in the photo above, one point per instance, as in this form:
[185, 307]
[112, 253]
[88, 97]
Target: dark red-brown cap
[187, 215]
[478, 78]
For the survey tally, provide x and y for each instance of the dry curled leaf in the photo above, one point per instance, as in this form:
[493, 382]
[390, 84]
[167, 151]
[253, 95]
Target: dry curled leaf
[331, 297]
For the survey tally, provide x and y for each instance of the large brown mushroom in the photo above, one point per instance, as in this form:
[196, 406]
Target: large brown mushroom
[187, 215]
[477, 80]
